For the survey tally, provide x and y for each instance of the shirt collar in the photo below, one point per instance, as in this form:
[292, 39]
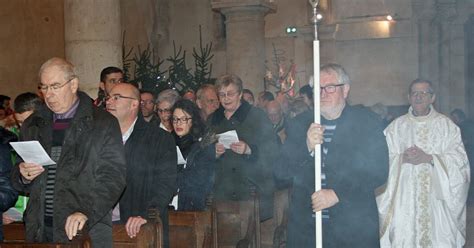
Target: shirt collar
[127, 134]
[69, 114]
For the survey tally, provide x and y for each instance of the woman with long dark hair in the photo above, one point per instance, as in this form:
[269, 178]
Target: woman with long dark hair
[195, 177]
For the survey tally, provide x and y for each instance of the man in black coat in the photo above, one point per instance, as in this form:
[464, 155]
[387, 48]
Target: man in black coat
[355, 162]
[81, 188]
[151, 162]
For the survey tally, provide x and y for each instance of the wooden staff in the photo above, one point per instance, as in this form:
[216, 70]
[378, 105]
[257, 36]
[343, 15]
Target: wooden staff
[317, 119]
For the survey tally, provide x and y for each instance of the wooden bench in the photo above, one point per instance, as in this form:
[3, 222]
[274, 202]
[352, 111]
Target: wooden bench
[14, 237]
[237, 223]
[191, 229]
[150, 236]
[280, 215]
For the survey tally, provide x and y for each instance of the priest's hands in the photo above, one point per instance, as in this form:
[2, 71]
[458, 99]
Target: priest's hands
[323, 199]
[74, 223]
[314, 136]
[415, 155]
[133, 225]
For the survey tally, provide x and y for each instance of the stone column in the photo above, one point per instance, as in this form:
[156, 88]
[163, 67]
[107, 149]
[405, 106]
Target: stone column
[428, 43]
[446, 15]
[93, 39]
[245, 39]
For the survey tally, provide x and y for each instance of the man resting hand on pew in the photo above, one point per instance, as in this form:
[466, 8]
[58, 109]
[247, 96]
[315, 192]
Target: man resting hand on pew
[88, 177]
[151, 162]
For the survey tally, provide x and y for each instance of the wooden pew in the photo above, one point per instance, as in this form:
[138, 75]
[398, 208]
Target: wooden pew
[191, 229]
[150, 236]
[14, 237]
[237, 223]
[280, 214]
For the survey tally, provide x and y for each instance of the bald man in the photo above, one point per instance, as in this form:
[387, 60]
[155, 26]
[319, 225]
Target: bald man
[151, 161]
[277, 118]
[79, 190]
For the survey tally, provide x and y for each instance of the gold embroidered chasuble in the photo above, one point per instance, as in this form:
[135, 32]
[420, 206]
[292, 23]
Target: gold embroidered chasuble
[424, 205]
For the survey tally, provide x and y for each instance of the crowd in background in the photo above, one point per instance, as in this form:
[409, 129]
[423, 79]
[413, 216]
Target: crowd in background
[273, 151]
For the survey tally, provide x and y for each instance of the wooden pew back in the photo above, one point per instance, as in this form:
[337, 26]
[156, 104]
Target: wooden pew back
[14, 237]
[191, 229]
[237, 223]
[150, 236]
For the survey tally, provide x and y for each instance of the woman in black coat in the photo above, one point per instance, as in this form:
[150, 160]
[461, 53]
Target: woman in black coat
[248, 163]
[196, 176]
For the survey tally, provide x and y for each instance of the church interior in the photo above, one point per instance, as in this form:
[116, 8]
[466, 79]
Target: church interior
[384, 45]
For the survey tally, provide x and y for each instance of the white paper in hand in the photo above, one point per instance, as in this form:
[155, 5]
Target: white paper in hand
[181, 159]
[32, 152]
[228, 138]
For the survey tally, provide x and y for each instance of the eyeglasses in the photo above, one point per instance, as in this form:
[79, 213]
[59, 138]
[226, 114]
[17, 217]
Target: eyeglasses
[421, 94]
[329, 89]
[146, 102]
[181, 120]
[118, 96]
[212, 101]
[227, 94]
[161, 111]
[54, 87]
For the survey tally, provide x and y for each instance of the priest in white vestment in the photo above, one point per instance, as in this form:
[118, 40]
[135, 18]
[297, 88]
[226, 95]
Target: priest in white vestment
[423, 203]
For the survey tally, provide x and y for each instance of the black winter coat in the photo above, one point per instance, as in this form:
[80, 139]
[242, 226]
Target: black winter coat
[356, 164]
[90, 173]
[195, 182]
[235, 173]
[8, 195]
[151, 172]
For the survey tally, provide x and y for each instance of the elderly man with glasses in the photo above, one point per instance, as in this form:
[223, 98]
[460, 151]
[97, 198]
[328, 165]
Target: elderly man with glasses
[354, 162]
[151, 162]
[80, 189]
[424, 202]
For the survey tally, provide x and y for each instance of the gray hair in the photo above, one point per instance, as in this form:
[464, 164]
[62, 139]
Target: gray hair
[229, 79]
[341, 74]
[63, 65]
[204, 88]
[419, 81]
[168, 95]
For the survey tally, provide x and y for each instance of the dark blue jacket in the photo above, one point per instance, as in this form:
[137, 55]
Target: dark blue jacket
[8, 195]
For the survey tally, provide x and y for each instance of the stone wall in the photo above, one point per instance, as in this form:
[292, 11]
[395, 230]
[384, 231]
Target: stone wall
[380, 56]
[31, 32]
[158, 23]
[425, 39]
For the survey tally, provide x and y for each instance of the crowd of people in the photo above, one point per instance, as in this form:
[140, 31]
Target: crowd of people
[129, 151]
